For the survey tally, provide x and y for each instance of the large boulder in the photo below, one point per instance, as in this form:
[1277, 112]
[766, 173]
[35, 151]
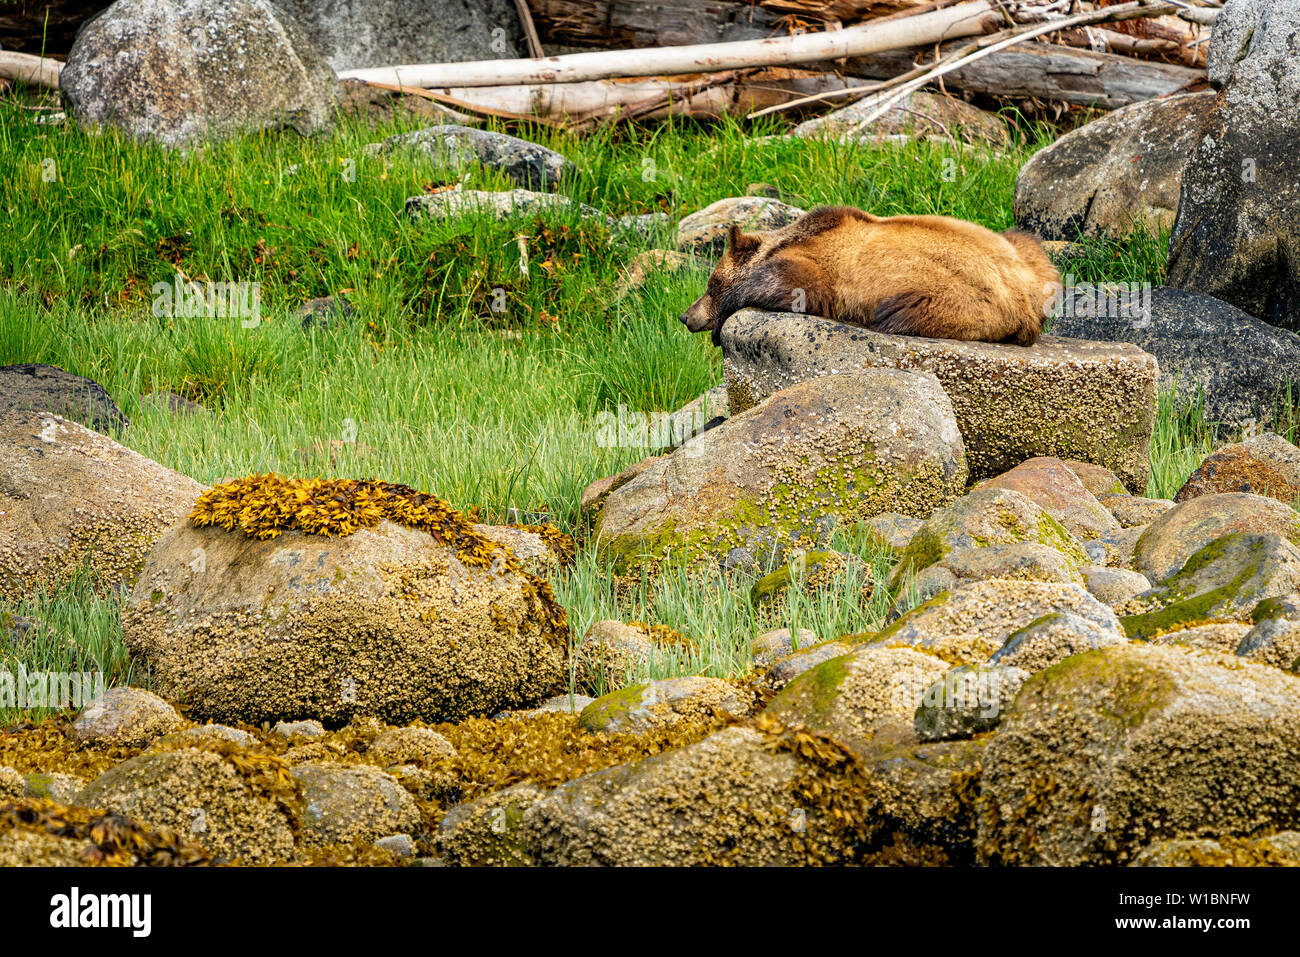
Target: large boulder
[1186, 331]
[1262, 465]
[1111, 750]
[360, 33]
[71, 497]
[1235, 236]
[1185, 529]
[178, 72]
[781, 475]
[1116, 174]
[40, 388]
[385, 621]
[1072, 400]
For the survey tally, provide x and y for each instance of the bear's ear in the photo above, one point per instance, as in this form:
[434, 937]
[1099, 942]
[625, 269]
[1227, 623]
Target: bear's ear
[741, 245]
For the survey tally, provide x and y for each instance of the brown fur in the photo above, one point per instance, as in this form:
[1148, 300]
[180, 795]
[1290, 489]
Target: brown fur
[929, 276]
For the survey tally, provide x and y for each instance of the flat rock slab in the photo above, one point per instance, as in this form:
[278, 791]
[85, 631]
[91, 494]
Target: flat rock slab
[1067, 398]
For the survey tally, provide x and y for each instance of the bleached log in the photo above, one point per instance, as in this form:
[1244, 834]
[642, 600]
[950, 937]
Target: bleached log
[33, 70]
[963, 20]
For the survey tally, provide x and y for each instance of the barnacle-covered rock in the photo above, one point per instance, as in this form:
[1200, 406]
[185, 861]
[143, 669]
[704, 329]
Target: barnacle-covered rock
[968, 625]
[1054, 487]
[1275, 850]
[762, 795]
[786, 669]
[1112, 586]
[73, 498]
[346, 804]
[986, 517]
[336, 599]
[1185, 529]
[778, 643]
[966, 701]
[55, 786]
[126, 717]
[488, 832]
[608, 652]
[1134, 510]
[1112, 750]
[403, 745]
[12, 784]
[1055, 637]
[846, 698]
[778, 478]
[813, 571]
[1072, 399]
[239, 805]
[1221, 636]
[44, 833]
[1265, 465]
[668, 701]
[1275, 637]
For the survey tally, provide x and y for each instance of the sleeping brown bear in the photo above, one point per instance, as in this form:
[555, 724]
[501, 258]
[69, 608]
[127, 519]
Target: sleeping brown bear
[929, 276]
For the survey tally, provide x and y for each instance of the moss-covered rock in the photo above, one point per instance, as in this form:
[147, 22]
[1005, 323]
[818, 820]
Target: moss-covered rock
[667, 702]
[968, 700]
[304, 600]
[1274, 638]
[987, 516]
[779, 478]
[1107, 752]
[1052, 485]
[1073, 399]
[846, 698]
[1182, 531]
[1225, 579]
[813, 571]
[786, 669]
[238, 807]
[73, 498]
[969, 625]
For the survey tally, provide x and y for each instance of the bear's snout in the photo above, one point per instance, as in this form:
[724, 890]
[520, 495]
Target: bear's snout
[699, 315]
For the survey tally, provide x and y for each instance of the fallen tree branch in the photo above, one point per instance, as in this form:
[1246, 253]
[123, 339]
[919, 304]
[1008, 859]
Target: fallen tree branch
[965, 19]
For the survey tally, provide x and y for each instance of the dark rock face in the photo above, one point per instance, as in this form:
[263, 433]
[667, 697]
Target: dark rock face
[1235, 236]
[1117, 173]
[40, 388]
[359, 33]
[181, 71]
[1239, 365]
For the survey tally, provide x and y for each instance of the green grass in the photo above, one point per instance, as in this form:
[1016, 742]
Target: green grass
[458, 373]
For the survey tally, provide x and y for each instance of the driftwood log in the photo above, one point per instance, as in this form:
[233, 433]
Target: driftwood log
[972, 18]
[1047, 71]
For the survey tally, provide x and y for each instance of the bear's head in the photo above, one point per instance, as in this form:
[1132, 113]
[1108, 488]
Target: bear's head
[711, 309]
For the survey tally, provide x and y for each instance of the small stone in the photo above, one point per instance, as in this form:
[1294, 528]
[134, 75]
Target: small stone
[1133, 510]
[966, 701]
[348, 803]
[406, 745]
[1054, 638]
[663, 703]
[299, 729]
[399, 845]
[125, 717]
[1114, 585]
[217, 732]
[771, 645]
[61, 788]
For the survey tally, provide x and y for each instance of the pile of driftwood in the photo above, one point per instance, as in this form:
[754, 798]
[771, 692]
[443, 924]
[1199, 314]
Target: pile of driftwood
[763, 56]
[776, 55]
